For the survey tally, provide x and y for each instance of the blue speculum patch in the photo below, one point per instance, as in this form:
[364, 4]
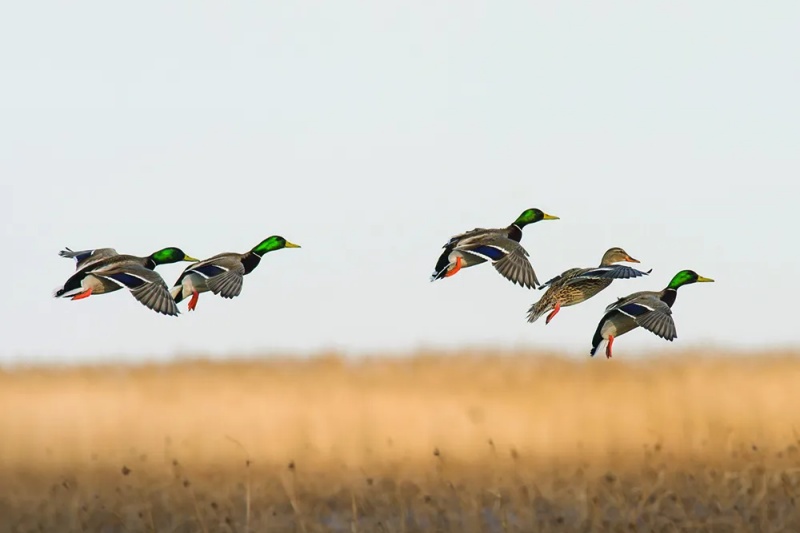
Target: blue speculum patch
[210, 270]
[495, 254]
[634, 309]
[128, 280]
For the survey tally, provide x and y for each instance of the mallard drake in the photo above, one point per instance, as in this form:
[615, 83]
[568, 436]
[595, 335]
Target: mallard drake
[116, 271]
[648, 309]
[577, 285]
[500, 246]
[224, 273]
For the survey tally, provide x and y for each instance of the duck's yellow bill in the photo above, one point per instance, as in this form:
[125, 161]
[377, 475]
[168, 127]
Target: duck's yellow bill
[701, 279]
[550, 217]
[630, 259]
[292, 245]
[190, 259]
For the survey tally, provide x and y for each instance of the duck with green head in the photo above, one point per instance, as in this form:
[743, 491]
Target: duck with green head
[648, 309]
[501, 246]
[103, 270]
[223, 274]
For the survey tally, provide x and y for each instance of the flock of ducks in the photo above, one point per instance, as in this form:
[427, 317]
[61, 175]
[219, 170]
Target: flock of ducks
[103, 270]
[501, 246]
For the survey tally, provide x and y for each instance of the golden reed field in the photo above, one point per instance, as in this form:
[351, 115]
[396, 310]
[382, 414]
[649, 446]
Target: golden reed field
[470, 441]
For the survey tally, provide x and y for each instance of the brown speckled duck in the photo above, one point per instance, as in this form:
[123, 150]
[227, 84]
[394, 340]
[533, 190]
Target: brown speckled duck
[577, 285]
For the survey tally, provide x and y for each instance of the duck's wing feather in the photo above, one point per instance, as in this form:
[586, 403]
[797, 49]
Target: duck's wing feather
[474, 234]
[211, 267]
[631, 298]
[229, 283]
[84, 258]
[509, 258]
[146, 285]
[610, 272]
[517, 269]
[156, 296]
[652, 314]
[561, 278]
[659, 323]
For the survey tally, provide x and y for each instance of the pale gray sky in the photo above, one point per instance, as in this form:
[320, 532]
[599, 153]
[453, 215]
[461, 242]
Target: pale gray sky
[369, 133]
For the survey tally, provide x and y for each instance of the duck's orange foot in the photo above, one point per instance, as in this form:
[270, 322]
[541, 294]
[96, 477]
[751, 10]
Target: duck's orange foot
[553, 313]
[82, 295]
[193, 301]
[455, 268]
[608, 347]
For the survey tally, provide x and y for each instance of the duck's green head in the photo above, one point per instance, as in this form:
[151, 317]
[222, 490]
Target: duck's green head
[529, 216]
[270, 244]
[685, 277]
[170, 255]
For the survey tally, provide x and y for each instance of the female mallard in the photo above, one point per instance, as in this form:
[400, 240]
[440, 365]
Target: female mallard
[223, 274]
[648, 309]
[577, 285]
[500, 246]
[112, 272]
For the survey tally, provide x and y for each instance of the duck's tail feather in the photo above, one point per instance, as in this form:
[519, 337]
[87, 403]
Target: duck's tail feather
[597, 340]
[599, 346]
[61, 292]
[537, 310]
[442, 265]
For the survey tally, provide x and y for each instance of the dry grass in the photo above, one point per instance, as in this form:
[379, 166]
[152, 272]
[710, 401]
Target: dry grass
[435, 442]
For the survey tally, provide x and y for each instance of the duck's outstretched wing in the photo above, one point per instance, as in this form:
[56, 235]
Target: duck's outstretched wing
[509, 258]
[652, 314]
[610, 272]
[85, 258]
[146, 285]
[223, 274]
[228, 284]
